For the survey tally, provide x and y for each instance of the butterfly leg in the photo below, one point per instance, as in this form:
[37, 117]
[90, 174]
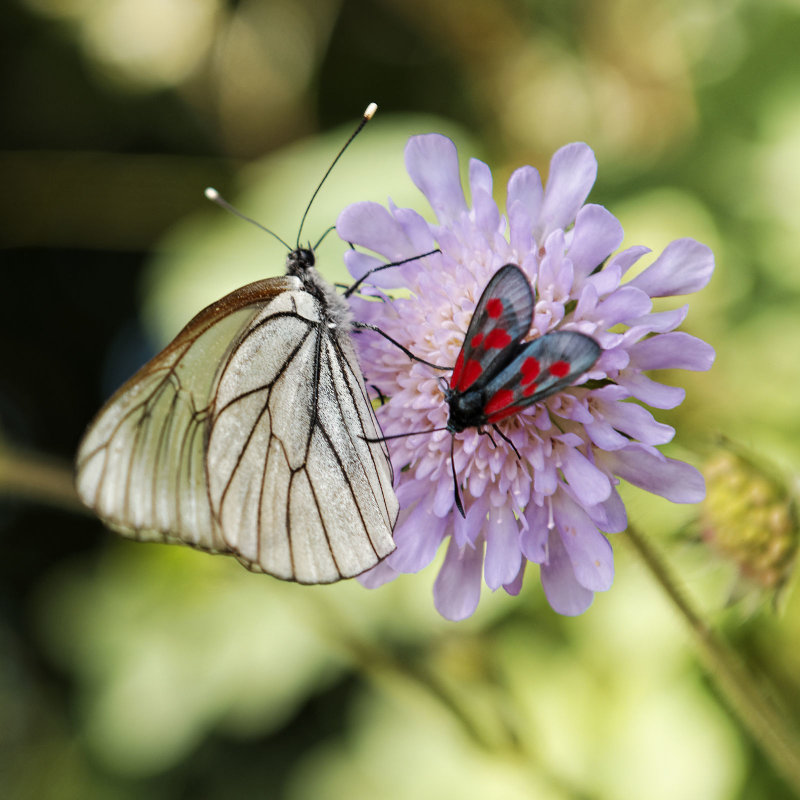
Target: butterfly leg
[385, 266]
[381, 396]
[367, 326]
[400, 435]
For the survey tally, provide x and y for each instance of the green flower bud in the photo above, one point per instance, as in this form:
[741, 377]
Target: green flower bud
[750, 518]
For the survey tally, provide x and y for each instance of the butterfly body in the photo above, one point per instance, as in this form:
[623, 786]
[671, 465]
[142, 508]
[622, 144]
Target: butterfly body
[249, 435]
[300, 263]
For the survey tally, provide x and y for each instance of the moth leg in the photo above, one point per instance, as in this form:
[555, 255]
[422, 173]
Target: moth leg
[507, 441]
[482, 432]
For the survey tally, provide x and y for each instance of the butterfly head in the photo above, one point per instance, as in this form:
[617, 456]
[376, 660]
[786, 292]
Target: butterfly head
[299, 261]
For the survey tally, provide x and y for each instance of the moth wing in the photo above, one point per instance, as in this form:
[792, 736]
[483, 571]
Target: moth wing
[141, 463]
[501, 319]
[299, 493]
[539, 369]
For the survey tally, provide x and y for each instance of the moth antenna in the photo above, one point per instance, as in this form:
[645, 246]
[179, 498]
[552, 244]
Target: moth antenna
[459, 504]
[385, 266]
[215, 197]
[369, 113]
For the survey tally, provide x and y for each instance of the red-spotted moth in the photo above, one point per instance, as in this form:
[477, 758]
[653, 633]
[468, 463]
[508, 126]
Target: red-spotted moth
[497, 374]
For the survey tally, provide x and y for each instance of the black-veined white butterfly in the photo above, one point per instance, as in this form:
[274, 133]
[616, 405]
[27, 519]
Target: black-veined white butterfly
[251, 434]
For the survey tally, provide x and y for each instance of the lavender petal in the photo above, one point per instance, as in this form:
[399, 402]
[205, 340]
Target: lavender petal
[457, 588]
[432, 163]
[565, 595]
[684, 267]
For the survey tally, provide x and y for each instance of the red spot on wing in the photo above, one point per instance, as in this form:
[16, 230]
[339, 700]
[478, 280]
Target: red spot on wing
[498, 402]
[494, 308]
[498, 338]
[472, 371]
[530, 369]
[529, 390]
[558, 369]
[506, 412]
[456, 376]
[476, 340]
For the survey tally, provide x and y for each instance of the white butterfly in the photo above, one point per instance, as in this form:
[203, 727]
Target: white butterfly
[250, 435]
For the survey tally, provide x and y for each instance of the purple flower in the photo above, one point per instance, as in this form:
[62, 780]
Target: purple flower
[553, 505]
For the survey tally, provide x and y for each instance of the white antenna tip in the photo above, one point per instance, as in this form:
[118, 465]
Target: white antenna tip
[211, 193]
[370, 111]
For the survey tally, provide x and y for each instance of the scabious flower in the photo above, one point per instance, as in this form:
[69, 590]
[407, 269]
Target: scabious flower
[553, 504]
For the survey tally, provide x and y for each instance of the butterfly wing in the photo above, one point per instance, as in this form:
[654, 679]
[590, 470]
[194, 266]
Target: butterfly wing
[141, 463]
[151, 468]
[300, 493]
[539, 368]
[501, 319]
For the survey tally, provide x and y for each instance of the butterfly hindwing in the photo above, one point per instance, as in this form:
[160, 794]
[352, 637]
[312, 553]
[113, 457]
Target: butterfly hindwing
[501, 319]
[302, 496]
[539, 369]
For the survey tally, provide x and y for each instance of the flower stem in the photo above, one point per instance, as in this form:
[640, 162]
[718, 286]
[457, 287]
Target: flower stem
[755, 711]
[39, 478]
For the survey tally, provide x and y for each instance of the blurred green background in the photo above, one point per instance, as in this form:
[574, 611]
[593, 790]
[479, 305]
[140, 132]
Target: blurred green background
[133, 671]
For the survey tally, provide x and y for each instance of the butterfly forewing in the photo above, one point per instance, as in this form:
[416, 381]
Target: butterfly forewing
[539, 369]
[141, 465]
[501, 319]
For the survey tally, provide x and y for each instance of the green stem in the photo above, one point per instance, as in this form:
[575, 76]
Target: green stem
[36, 477]
[752, 708]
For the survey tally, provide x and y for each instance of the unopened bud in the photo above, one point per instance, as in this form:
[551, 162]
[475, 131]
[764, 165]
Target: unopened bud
[750, 518]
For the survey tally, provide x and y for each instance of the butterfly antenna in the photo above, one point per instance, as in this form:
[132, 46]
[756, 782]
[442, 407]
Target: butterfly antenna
[215, 197]
[369, 113]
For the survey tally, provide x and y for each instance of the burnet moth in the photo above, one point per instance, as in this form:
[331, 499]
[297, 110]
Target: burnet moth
[497, 374]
